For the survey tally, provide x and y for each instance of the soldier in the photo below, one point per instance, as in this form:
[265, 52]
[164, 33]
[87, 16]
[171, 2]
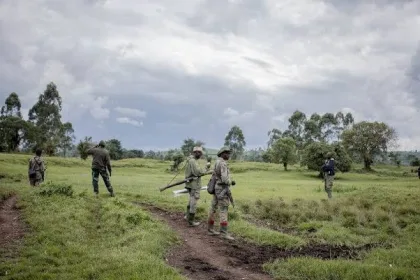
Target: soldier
[100, 163]
[220, 197]
[36, 169]
[418, 172]
[194, 187]
[329, 172]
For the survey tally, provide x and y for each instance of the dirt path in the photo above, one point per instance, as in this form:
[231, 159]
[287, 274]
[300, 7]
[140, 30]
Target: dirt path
[201, 256]
[11, 227]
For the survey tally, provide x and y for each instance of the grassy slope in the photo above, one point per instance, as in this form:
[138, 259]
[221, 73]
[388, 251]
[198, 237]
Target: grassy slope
[103, 238]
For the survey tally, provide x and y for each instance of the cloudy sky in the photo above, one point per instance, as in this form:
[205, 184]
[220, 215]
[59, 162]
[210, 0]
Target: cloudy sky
[154, 74]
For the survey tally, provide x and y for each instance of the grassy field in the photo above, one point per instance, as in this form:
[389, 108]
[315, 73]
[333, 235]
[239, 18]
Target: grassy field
[75, 236]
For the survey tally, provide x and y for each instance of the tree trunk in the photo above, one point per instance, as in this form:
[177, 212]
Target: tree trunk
[285, 166]
[367, 163]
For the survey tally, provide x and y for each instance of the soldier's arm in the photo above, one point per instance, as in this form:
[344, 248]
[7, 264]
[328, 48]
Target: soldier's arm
[91, 150]
[108, 163]
[29, 165]
[224, 176]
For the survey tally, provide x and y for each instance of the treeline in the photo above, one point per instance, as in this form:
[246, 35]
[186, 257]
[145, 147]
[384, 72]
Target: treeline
[43, 129]
[306, 140]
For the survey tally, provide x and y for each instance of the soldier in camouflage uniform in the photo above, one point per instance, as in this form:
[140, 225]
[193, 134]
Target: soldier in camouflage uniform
[193, 169]
[418, 172]
[100, 163]
[329, 171]
[36, 169]
[221, 199]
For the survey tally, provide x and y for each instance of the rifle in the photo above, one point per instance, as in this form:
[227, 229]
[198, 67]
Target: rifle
[187, 180]
[227, 191]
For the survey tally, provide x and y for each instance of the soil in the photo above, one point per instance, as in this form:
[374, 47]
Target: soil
[12, 228]
[201, 256]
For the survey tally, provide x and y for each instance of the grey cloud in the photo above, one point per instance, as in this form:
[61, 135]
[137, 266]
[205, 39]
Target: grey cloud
[330, 52]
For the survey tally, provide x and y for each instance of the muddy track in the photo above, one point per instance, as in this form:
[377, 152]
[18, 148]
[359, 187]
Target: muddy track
[208, 257]
[12, 228]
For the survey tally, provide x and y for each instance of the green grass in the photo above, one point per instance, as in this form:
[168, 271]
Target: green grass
[74, 236]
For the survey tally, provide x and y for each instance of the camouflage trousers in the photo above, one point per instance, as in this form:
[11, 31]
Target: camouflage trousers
[223, 204]
[328, 180]
[192, 203]
[105, 177]
[36, 180]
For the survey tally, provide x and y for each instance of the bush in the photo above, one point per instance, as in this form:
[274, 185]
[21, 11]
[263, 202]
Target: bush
[56, 189]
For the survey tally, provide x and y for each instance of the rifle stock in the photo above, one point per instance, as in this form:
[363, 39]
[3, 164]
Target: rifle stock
[183, 181]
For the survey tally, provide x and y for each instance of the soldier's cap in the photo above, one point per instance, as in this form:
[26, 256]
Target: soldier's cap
[198, 149]
[224, 149]
[102, 143]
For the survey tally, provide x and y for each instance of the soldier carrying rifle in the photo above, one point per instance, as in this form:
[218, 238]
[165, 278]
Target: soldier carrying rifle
[222, 196]
[192, 169]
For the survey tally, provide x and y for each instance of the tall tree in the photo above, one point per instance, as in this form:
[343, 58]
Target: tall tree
[327, 124]
[296, 128]
[235, 139]
[369, 139]
[66, 137]
[13, 127]
[273, 135]
[312, 129]
[284, 151]
[46, 116]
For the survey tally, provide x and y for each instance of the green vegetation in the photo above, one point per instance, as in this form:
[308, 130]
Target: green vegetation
[73, 235]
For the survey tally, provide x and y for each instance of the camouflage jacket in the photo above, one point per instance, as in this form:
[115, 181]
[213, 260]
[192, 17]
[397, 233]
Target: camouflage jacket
[100, 158]
[193, 169]
[37, 164]
[222, 173]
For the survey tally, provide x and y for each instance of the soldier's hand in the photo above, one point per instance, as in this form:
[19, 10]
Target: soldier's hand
[208, 164]
[233, 183]
[109, 173]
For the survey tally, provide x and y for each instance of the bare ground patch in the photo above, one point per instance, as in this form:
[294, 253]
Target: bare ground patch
[12, 228]
[201, 256]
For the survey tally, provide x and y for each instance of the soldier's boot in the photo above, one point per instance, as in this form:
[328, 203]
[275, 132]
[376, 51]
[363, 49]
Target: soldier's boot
[210, 228]
[224, 234]
[191, 222]
[112, 194]
[329, 194]
[187, 213]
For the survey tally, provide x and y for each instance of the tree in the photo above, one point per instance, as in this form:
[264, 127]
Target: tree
[66, 137]
[273, 135]
[235, 139]
[83, 146]
[368, 139]
[45, 115]
[189, 144]
[115, 149]
[12, 126]
[327, 124]
[150, 154]
[315, 155]
[395, 158]
[296, 128]
[284, 151]
[177, 158]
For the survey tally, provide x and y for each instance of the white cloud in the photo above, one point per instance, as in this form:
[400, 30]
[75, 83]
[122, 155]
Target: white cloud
[230, 112]
[97, 110]
[131, 112]
[129, 121]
